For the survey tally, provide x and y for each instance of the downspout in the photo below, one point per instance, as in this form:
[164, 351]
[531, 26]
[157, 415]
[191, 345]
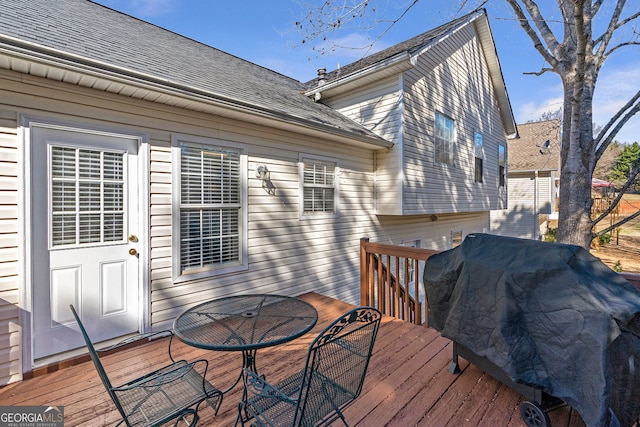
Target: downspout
[536, 228]
[375, 182]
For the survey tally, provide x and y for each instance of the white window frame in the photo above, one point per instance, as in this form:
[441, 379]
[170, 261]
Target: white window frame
[444, 140]
[214, 270]
[336, 187]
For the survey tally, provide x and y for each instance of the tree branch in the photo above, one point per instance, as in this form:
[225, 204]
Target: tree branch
[632, 177]
[604, 40]
[596, 6]
[537, 43]
[623, 115]
[620, 24]
[616, 47]
[616, 225]
[538, 73]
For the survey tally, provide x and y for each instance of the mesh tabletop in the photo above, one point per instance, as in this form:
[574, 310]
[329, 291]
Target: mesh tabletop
[245, 322]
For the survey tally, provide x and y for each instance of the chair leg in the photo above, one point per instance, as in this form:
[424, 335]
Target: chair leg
[215, 406]
[239, 416]
[342, 417]
[185, 415]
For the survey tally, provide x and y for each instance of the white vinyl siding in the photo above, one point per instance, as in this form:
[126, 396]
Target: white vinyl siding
[520, 219]
[378, 107]
[451, 78]
[319, 187]
[412, 178]
[523, 218]
[209, 230]
[10, 245]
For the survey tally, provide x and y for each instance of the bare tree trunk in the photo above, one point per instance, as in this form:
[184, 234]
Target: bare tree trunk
[578, 154]
[574, 211]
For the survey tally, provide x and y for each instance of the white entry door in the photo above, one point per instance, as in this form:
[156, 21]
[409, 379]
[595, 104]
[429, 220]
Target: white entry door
[84, 237]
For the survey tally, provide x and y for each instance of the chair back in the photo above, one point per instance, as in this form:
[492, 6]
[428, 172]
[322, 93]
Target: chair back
[94, 357]
[336, 365]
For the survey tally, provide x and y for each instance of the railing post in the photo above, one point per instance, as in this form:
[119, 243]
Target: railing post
[364, 273]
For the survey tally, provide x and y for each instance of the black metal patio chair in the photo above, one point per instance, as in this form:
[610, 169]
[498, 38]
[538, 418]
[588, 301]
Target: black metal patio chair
[331, 379]
[173, 392]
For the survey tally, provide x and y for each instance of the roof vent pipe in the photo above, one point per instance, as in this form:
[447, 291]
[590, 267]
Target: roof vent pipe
[322, 76]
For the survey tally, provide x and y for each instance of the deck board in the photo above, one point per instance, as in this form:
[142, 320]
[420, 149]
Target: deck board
[407, 383]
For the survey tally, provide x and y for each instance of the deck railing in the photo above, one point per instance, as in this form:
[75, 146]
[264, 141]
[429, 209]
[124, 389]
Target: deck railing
[634, 278]
[390, 279]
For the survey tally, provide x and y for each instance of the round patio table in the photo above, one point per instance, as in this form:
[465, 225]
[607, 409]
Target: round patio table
[245, 323]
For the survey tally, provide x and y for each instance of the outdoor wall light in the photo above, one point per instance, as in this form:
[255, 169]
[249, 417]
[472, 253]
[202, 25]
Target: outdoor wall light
[262, 172]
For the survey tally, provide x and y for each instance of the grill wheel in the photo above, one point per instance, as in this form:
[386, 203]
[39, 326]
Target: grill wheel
[534, 415]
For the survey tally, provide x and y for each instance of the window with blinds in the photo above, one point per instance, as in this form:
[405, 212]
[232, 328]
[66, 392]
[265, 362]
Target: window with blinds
[210, 203]
[319, 192]
[444, 140]
[87, 196]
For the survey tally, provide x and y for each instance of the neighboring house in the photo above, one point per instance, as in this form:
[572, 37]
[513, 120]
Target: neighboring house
[533, 171]
[144, 172]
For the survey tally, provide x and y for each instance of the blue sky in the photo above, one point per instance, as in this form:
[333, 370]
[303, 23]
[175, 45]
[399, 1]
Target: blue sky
[264, 32]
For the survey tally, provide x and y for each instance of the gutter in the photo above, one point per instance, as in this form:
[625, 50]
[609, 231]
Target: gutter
[30, 52]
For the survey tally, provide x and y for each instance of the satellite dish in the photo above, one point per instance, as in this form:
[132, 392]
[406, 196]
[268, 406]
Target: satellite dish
[545, 147]
[546, 144]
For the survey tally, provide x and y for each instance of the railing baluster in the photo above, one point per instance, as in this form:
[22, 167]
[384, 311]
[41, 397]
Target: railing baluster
[388, 289]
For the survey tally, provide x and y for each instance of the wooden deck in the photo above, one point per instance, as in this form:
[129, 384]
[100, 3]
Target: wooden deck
[407, 383]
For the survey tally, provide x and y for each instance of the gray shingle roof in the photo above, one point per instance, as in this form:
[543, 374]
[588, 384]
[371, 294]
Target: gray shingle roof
[410, 46]
[531, 152]
[86, 32]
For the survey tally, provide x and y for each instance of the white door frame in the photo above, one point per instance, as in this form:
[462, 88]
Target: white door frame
[25, 224]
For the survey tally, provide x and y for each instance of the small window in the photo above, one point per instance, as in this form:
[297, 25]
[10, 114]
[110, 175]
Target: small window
[502, 164]
[209, 225]
[319, 192]
[477, 140]
[444, 140]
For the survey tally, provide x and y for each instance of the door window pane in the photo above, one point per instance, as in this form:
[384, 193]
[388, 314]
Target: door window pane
[87, 196]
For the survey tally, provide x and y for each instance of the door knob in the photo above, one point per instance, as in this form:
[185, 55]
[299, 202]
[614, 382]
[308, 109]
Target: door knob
[132, 251]
[133, 238]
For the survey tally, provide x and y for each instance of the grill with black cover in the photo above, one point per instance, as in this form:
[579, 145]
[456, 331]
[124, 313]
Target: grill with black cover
[549, 316]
